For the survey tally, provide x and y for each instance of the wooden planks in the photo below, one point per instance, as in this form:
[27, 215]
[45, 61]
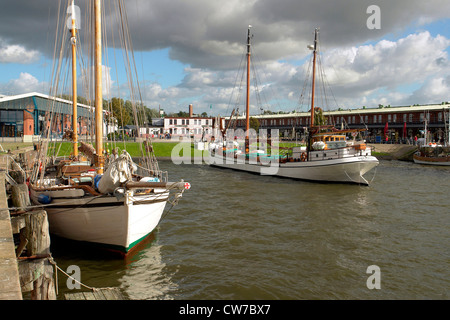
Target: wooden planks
[97, 294]
[9, 273]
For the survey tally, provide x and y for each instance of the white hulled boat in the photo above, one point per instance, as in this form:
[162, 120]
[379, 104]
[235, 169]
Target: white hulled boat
[328, 156]
[431, 153]
[94, 198]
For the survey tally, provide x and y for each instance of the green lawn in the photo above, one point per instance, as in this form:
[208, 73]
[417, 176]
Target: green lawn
[380, 154]
[162, 149]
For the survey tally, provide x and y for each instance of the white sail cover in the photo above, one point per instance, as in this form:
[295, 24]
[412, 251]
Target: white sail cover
[119, 171]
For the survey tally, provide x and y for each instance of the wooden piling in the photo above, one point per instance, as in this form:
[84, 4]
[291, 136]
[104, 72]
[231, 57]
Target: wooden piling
[20, 197]
[35, 270]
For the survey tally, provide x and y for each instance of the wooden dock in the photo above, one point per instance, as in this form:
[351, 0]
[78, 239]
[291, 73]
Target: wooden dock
[9, 271]
[27, 268]
[97, 294]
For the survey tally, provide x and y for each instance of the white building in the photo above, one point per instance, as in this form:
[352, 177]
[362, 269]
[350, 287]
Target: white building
[192, 126]
[187, 127]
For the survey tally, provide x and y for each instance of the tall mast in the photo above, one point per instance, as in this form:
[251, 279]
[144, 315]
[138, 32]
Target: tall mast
[316, 31]
[98, 88]
[247, 111]
[73, 40]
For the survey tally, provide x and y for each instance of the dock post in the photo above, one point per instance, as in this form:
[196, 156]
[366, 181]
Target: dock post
[35, 270]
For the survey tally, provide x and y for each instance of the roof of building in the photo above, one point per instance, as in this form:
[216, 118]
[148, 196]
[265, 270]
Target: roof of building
[41, 102]
[360, 111]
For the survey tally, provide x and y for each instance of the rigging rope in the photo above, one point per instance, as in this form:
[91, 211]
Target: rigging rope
[59, 83]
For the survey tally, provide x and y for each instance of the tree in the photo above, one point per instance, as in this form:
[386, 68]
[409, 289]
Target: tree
[319, 118]
[254, 124]
[120, 112]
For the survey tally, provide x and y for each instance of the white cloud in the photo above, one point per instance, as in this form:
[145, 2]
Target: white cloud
[24, 84]
[384, 68]
[86, 77]
[435, 90]
[17, 54]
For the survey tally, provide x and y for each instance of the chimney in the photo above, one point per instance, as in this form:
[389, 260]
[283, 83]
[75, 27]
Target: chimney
[191, 111]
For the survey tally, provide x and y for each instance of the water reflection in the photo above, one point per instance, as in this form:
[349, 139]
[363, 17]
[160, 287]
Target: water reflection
[145, 276]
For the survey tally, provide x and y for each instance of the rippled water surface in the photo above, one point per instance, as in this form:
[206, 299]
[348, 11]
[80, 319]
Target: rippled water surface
[241, 236]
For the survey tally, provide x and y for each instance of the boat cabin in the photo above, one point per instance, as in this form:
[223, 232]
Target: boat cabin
[329, 141]
[329, 137]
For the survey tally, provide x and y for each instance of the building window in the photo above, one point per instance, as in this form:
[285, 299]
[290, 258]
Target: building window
[410, 117]
[375, 119]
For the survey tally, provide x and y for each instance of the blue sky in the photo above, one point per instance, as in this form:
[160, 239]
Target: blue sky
[156, 66]
[189, 52]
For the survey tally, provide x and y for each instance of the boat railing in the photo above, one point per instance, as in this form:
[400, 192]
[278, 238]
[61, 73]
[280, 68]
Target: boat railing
[339, 153]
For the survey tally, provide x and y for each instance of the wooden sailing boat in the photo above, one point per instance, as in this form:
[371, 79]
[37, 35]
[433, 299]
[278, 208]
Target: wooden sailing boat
[116, 208]
[431, 153]
[328, 157]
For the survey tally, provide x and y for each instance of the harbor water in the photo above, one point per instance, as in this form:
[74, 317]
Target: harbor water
[238, 236]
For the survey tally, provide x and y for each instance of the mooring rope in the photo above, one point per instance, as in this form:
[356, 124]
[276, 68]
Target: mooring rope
[50, 259]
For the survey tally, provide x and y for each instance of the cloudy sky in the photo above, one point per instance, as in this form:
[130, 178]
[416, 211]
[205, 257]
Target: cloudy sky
[189, 51]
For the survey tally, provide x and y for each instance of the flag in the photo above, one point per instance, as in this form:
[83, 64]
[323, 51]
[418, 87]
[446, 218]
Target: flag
[386, 131]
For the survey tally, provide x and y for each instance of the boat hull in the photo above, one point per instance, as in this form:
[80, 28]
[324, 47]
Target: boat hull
[105, 221]
[435, 161]
[342, 170]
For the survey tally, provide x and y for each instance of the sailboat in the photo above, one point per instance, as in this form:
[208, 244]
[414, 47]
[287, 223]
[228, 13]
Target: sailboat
[110, 202]
[431, 153]
[328, 156]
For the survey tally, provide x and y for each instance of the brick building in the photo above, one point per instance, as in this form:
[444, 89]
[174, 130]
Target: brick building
[25, 117]
[400, 123]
